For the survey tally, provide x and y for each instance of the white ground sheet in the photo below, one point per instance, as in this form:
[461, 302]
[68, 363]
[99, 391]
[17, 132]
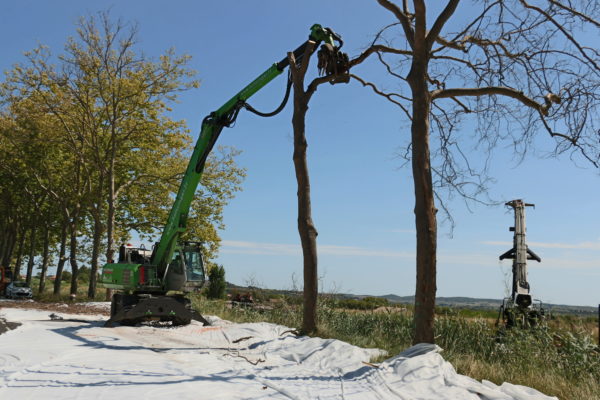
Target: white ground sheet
[44, 359]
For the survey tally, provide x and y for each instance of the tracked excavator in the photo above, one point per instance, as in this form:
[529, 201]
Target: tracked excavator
[146, 280]
[520, 309]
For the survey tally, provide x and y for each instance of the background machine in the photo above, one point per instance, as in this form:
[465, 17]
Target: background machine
[520, 309]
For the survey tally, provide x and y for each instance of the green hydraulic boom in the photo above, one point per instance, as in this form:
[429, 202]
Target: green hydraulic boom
[143, 278]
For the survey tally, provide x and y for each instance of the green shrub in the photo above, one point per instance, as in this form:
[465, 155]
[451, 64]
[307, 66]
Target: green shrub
[66, 276]
[216, 284]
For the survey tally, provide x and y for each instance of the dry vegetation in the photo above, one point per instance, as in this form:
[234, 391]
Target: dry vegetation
[561, 360]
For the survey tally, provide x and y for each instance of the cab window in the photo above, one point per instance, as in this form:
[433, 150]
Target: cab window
[194, 266]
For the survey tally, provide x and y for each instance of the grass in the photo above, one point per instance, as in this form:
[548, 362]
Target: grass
[561, 360]
[49, 297]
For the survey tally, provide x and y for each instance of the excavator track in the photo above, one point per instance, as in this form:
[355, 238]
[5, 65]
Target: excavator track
[132, 309]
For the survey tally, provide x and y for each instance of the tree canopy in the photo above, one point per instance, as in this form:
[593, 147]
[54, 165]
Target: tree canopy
[90, 151]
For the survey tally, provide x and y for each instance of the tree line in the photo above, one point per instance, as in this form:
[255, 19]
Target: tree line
[89, 153]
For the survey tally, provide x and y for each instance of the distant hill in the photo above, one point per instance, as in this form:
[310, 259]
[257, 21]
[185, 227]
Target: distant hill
[489, 304]
[454, 302]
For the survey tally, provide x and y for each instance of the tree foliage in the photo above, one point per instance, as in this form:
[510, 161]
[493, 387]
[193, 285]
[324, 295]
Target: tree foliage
[90, 151]
[217, 283]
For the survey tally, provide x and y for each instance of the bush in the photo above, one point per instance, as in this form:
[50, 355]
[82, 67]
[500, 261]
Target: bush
[83, 274]
[66, 276]
[367, 303]
[216, 284]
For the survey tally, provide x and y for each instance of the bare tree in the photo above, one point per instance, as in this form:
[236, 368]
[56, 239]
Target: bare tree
[306, 228]
[517, 67]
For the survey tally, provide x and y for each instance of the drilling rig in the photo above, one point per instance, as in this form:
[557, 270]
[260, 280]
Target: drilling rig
[520, 309]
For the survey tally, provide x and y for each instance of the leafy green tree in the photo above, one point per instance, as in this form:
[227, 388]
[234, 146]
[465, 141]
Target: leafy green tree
[217, 283]
[109, 156]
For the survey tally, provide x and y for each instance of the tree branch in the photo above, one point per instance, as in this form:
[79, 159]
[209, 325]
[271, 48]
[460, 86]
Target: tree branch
[561, 28]
[300, 71]
[403, 18]
[377, 48]
[498, 90]
[575, 12]
[420, 26]
[312, 87]
[439, 23]
[389, 96]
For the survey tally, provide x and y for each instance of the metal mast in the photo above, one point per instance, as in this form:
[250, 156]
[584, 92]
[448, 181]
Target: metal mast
[520, 253]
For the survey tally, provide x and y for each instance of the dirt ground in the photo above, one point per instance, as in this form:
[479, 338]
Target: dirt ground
[69, 308]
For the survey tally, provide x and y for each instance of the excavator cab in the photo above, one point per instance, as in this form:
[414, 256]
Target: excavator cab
[186, 271]
[194, 266]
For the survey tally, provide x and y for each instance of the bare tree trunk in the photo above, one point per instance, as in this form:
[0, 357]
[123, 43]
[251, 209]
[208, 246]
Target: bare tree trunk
[110, 222]
[425, 211]
[306, 228]
[8, 242]
[32, 242]
[45, 260]
[73, 256]
[4, 239]
[61, 258]
[19, 260]
[95, 253]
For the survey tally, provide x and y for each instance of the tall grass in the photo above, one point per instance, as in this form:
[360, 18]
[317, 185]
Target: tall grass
[558, 362]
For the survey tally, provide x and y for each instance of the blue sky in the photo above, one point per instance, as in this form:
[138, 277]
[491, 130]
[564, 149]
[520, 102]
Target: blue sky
[362, 198]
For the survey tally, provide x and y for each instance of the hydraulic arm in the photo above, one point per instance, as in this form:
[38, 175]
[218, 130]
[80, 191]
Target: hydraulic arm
[146, 278]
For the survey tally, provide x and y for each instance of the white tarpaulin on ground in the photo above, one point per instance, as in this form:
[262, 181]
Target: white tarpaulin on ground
[44, 359]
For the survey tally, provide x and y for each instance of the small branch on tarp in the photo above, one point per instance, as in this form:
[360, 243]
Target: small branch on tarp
[242, 339]
[56, 317]
[370, 364]
[235, 353]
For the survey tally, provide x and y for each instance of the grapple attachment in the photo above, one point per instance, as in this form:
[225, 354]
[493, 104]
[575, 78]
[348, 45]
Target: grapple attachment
[331, 60]
[334, 62]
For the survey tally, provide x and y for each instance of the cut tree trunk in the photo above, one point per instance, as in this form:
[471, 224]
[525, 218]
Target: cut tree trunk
[425, 211]
[306, 227]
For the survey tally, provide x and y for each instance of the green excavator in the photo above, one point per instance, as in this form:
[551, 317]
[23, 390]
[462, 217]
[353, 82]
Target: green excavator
[145, 280]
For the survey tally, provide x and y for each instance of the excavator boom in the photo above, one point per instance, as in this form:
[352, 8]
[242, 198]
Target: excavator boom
[174, 265]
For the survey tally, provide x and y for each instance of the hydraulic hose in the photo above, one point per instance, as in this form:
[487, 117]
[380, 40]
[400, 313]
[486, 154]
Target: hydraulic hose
[278, 109]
